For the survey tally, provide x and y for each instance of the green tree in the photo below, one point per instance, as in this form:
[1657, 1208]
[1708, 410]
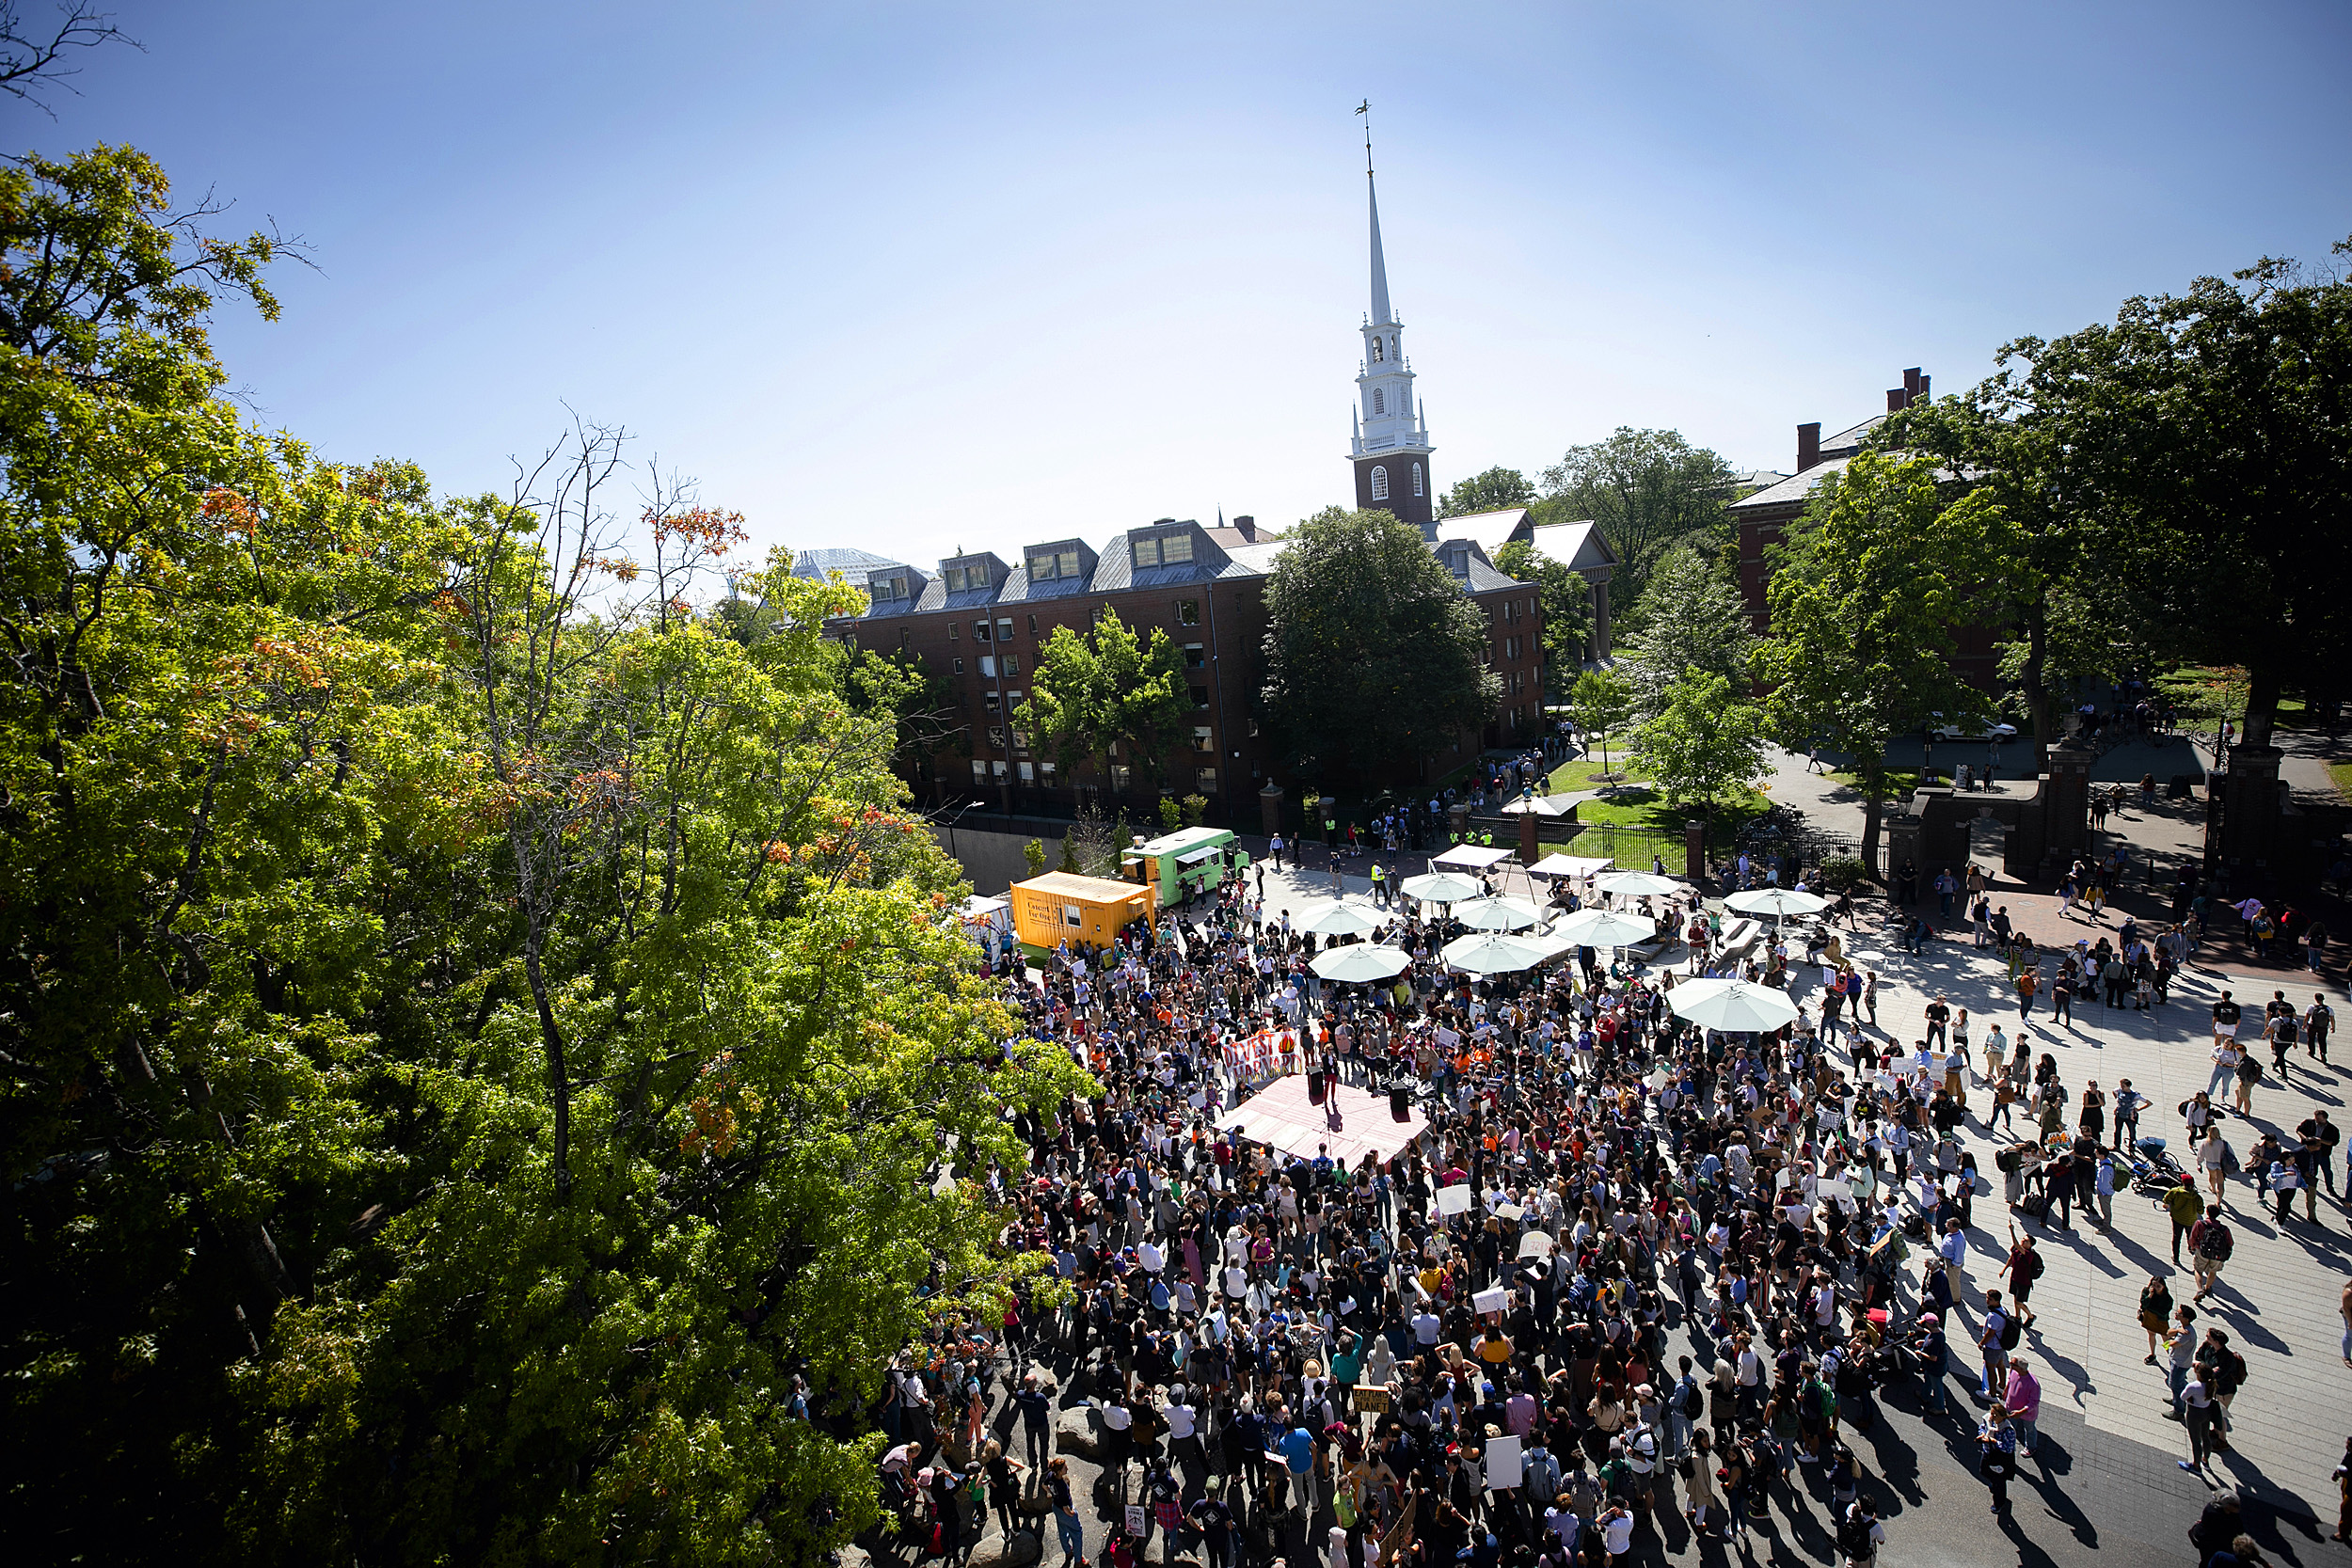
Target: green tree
[2174, 471]
[1109, 687]
[1567, 607]
[1873, 584]
[1691, 618]
[1599, 702]
[476, 1032]
[1195, 810]
[1494, 490]
[1649, 490]
[1171, 813]
[1703, 745]
[1034, 854]
[1373, 653]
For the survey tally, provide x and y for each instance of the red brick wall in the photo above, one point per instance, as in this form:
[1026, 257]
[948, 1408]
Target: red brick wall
[1416, 510]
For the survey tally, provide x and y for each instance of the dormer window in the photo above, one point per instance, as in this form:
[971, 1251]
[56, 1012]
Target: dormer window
[1066, 562]
[1041, 568]
[1176, 550]
[1147, 552]
[955, 579]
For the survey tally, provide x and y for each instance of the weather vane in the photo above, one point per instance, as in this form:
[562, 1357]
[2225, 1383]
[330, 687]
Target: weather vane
[1365, 109]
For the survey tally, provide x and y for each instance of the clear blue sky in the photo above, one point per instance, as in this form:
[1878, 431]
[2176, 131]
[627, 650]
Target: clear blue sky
[912, 278]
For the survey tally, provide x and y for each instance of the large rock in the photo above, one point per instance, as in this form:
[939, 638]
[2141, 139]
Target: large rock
[1075, 1434]
[1017, 1550]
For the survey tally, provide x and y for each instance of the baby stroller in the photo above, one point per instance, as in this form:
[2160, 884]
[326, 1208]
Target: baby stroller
[2154, 1171]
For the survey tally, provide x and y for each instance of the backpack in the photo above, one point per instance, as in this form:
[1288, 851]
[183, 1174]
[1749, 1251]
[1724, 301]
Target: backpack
[2217, 1244]
[1688, 1402]
[2010, 1332]
[2038, 1265]
[1854, 1532]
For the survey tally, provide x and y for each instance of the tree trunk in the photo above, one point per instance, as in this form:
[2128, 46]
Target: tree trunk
[559, 1079]
[1873, 804]
[2038, 709]
[2262, 704]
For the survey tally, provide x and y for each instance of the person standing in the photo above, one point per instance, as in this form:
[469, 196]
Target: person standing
[2127, 1103]
[2202, 1414]
[2022, 1400]
[1274, 850]
[1995, 1336]
[1997, 1455]
[2319, 1022]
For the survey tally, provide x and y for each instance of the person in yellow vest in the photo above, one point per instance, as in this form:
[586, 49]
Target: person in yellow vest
[1379, 886]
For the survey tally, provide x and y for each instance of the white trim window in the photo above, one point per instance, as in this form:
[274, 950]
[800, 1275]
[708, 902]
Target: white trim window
[1379, 482]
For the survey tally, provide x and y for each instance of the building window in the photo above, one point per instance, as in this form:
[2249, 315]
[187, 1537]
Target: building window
[979, 631]
[1032, 626]
[1207, 777]
[1380, 401]
[996, 700]
[1147, 552]
[1012, 664]
[1119, 778]
[1004, 631]
[952, 630]
[904, 636]
[1041, 568]
[1072, 915]
[1066, 563]
[1201, 739]
[1200, 696]
[980, 771]
[959, 666]
[953, 579]
[1379, 482]
[1019, 740]
[1195, 655]
[1176, 548]
[1188, 612]
[996, 736]
[1045, 771]
[998, 769]
[1417, 489]
[1028, 774]
[988, 665]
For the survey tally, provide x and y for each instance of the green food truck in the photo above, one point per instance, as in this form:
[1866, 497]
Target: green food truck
[1176, 863]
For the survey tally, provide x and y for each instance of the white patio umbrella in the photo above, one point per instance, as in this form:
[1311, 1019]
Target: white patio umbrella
[1360, 963]
[1498, 914]
[1491, 953]
[1566, 866]
[1731, 1005]
[1636, 884]
[1341, 920]
[1592, 927]
[1441, 887]
[1776, 901]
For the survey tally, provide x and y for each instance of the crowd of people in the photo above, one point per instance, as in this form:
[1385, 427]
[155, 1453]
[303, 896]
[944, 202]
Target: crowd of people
[1636, 1271]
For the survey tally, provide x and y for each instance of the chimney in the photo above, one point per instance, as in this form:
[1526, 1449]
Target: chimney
[1921, 395]
[1914, 386]
[1808, 446]
[1247, 526]
[1895, 397]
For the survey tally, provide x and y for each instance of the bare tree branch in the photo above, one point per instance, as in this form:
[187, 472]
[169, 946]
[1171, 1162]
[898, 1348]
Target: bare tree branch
[32, 58]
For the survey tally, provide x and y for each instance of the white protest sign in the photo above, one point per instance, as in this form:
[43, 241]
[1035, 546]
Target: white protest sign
[1504, 1461]
[1484, 1302]
[1455, 1199]
[1139, 1519]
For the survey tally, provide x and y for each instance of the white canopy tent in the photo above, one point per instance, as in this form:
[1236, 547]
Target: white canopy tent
[1568, 865]
[1471, 857]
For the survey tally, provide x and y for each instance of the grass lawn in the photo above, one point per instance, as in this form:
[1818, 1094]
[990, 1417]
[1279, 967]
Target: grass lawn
[1899, 781]
[2342, 773]
[1636, 821]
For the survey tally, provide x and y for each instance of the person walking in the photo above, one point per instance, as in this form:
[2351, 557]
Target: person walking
[2203, 1414]
[2155, 1311]
[2209, 1243]
[2023, 1400]
[2186, 1207]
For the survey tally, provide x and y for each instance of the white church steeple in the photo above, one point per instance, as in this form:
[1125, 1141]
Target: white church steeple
[1390, 446]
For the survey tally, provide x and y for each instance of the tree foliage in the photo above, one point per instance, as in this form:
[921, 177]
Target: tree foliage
[1494, 490]
[1692, 618]
[1701, 744]
[1106, 688]
[477, 1032]
[1872, 586]
[1600, 702]
[1372, 653]
[2181, 477]
[1649, 490]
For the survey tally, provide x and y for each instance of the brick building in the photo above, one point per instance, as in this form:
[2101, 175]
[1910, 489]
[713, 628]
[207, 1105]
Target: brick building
[1761, 519]
[979, 619]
